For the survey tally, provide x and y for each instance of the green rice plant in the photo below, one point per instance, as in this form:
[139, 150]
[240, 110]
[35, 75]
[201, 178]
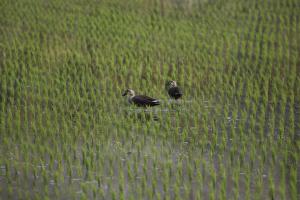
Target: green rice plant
[61, 77]
[293, 177]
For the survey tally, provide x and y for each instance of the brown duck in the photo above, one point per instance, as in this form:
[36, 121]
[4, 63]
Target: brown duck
[173, 90]
[140, 100]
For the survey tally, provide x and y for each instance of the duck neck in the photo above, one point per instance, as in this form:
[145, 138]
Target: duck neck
[130, 99]
[171, 86]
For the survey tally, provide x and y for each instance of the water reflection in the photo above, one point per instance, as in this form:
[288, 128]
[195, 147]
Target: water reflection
[157, 113]
[142, 114]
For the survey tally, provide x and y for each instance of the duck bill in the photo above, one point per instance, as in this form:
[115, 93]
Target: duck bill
[124, 93]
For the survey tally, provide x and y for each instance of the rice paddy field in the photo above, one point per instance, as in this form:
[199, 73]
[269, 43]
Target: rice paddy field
[67, 133]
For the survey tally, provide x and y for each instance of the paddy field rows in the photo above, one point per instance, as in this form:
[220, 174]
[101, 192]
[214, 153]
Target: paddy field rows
[67, 133]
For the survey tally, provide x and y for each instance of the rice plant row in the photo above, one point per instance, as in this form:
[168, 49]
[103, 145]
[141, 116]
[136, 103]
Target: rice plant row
[66, 132]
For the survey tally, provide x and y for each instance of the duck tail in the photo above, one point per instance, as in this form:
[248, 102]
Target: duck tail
[155, 103]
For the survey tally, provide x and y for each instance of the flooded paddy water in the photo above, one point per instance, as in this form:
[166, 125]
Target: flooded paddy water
[164, 153]
[66, 132]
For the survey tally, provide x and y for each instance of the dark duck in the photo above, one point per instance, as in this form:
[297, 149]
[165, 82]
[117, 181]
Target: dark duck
[140, 100]
[173, 90]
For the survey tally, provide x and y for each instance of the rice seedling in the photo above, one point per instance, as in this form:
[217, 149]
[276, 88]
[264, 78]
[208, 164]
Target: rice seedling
[67, 133]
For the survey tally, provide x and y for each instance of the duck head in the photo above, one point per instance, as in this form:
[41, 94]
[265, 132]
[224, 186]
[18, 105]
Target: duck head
[128, 92]
[170, 84]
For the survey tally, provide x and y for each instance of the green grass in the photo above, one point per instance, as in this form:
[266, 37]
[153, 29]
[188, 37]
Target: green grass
[67, 133]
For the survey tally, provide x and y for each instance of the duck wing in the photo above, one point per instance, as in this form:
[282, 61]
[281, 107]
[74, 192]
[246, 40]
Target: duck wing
[175, 92]
[142, 100]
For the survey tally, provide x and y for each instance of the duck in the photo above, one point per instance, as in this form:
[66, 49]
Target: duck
[173, 90]
[140, 100]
